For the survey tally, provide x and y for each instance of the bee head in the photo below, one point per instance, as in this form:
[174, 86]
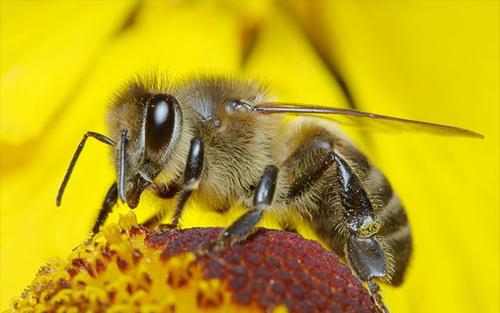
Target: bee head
[146, 125]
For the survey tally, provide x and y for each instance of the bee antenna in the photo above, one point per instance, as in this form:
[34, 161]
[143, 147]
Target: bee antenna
[121, 166]
[374, 289]
[76, 155]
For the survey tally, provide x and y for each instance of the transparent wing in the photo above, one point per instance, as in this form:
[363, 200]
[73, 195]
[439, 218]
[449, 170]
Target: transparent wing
[364, 119]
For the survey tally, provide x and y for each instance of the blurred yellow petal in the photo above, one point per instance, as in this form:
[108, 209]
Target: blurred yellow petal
[66, 36]
[283, 57]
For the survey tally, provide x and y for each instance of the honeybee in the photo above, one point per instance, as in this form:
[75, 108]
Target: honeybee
[220, 140]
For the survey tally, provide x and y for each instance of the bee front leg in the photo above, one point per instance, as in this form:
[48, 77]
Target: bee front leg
[263, 197]
[107, 205]
[192, 176]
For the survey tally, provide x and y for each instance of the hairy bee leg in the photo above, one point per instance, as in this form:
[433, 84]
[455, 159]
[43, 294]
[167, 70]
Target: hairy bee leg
[165, 192]
[107, 205]
[192, 176]
[308, 163]
[158, 217]
[75, 157]
[263, 198]
[373, 289]
[366, 257]
[241, 228]
[311, 175]
[363, 250]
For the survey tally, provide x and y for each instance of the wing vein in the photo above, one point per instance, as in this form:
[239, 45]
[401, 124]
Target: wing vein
[362, 117]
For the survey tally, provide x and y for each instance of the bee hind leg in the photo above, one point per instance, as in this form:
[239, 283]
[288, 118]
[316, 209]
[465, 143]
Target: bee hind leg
[373, 289]
[243, 227]
[365, 255]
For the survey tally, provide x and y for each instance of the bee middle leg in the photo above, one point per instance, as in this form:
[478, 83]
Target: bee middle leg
[263, 197]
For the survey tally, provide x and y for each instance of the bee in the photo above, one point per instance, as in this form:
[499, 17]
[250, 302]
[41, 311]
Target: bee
[221, 141]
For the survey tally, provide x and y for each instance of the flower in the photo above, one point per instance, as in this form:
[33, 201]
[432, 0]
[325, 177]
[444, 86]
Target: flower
[435, 61]
[127, 268]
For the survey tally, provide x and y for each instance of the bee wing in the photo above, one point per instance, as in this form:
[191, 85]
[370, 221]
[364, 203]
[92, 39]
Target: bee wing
[364, 119]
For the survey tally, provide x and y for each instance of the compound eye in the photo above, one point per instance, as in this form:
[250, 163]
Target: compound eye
[160, 121]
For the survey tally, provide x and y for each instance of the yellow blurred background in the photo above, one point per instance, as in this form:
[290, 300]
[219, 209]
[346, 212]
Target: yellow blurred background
[431, 60]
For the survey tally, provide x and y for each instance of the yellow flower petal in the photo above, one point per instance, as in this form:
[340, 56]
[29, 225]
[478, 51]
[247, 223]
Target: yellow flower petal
[66, 36]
